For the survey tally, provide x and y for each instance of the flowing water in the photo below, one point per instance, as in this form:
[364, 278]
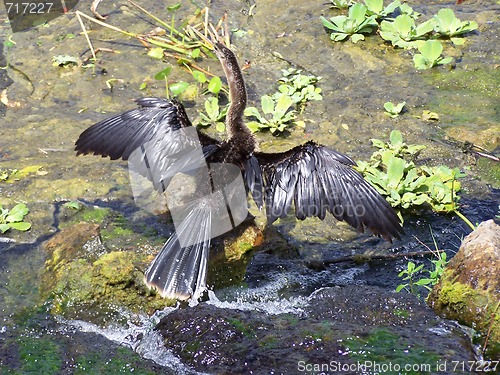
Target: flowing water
[49, 106]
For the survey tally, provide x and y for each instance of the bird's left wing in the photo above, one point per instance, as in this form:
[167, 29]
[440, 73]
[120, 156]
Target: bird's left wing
[156, 138]
[319, 180]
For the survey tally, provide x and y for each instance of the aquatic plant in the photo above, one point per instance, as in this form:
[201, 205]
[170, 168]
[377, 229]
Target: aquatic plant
[64, 60]
[446, 24]
[299, 87]
[408, 10]
[354, 25]
[14, 218]
[277, 114]
[341, 4]
[8, 44]
[393, 172]
[214, 115]
[430, 55]
[376, 8]
[402, 32]
[168, 40]
[10, 175]
[409, 274]
[393, 110]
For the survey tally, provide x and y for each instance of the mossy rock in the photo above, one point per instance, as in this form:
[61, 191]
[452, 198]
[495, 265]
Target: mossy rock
[230, 255]
[84, 280]
[469, 289]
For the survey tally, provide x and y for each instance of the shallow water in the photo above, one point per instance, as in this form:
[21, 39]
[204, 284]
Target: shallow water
[49, 107]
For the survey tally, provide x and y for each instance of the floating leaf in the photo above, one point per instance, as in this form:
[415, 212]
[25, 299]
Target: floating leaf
[178, 87]
[17, 213]
[215, 85]
[199, 76]
[73, 204]
[162, 74]
[431, 49]
[195, 53]
[22, 225]
[173, 8]
[156, 53]
[267, 104]
[396, 137]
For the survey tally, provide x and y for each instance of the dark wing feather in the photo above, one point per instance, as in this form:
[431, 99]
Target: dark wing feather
[318, 180]
[120, 135]
[156, 138]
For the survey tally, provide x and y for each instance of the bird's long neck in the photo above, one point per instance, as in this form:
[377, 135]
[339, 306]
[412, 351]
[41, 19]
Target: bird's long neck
[238, 95]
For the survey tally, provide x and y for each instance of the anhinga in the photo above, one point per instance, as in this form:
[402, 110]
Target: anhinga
[315, 178]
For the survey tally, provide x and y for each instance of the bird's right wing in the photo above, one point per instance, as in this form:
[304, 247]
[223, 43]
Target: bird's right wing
[319, 180]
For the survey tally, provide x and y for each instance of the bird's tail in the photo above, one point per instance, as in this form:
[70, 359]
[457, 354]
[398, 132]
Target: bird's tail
[180, 271]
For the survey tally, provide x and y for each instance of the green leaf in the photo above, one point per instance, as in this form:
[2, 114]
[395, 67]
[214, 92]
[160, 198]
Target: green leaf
[212, 108]
[220, 127]
[267, 104]
[401, 287]
[283, 105]
[215, 85]
[423, 281]
[195, 53]
[328, 24]
[446, 60]
[431, 49]
[4, 228]
[199, 76]
[377, 143]
[162, 74]
[424, 28]
[73, 204]
[252, 112]
[22, 225]
[357, 37]
[395, 170]
[174, 7]
[421, 62]
[396, 137]
[358, 12]
[156, 53]
[404, 24]
[457, 41]
[254, 126]
[178, 87]
[17, 213]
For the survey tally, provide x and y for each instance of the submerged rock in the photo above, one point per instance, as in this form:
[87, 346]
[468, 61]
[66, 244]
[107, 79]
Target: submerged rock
[337, 328]
[95, 271]
[84, 280]
[469, 289]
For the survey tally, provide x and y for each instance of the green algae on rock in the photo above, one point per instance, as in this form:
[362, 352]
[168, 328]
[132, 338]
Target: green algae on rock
[85, 281]
[469, 289]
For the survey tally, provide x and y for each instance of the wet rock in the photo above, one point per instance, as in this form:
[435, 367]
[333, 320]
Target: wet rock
[469, 289]
[230, 255]
[337, 327]
[85, 280]
[94, 270]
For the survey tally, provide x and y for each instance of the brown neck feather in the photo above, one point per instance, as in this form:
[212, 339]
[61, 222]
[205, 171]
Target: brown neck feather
[234, 119]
